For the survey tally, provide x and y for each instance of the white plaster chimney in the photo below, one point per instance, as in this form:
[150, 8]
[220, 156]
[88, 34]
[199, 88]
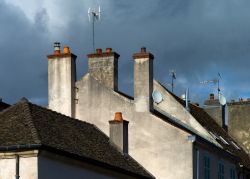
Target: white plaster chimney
[118, 132]
[103, 66]
[61, 80]
[143, 80]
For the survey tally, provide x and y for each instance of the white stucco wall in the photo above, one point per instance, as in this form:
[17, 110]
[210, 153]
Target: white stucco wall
[27, 165]
[154, 143]
[61, 80]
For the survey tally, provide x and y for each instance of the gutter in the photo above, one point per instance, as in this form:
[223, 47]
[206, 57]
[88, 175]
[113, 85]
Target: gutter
[18, 147]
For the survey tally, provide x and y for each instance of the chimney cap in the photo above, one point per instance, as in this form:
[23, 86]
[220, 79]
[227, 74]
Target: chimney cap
[108, 50]
[98, 51]
[143, 50]
[143, 54]
[56, 48]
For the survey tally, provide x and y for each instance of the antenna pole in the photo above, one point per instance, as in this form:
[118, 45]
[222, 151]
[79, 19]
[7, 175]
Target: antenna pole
[172, 84]
[173, 76]
[93, 31]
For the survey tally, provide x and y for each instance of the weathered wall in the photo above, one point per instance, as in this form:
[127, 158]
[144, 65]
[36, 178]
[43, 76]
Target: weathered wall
[105, 69]
[61, 81]
[238, 122]
[27, 165]
[215, 158]
[143, 83]
[150, 138]
[53, 166]
[175, 109]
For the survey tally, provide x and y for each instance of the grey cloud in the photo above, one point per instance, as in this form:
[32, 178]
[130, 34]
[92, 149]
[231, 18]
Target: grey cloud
[197, 38]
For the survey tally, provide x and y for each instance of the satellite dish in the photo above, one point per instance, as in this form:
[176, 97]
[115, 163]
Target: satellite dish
[222, 99]
[157, 96]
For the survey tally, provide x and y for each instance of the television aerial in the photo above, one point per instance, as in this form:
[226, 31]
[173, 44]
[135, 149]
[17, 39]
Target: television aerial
[215, 81]
[172, 73]
[94, 15]
[157, 96]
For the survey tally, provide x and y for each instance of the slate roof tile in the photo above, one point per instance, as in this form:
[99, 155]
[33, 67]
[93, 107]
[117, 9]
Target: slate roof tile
[26, 123]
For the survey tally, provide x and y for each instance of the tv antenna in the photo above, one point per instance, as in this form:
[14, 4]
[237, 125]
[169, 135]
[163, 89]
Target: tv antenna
[172, 73]
[94, 15]
[215, 81]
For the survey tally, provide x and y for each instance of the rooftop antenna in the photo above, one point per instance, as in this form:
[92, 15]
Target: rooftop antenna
[172, 73]
[94, 15]
[215, 81]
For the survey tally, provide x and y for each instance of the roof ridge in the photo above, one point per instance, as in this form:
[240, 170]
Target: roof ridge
[29, 120]
[68, 117]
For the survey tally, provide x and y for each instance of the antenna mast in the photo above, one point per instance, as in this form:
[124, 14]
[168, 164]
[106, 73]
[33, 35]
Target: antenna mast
[94, 16]
[172, 73]
[215, 81]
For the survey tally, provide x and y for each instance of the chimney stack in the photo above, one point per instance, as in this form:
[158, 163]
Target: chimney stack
[103, 66]
[143, 80]
[118, 132]
[61, 80]
[211, 99]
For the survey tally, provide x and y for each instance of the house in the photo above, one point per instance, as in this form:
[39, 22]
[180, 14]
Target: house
[37, 143]
[237, 118]
[169, 139]
[3, 105]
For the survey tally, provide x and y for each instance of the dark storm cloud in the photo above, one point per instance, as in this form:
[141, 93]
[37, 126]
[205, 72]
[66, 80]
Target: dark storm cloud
[21, 46]
[197, 38]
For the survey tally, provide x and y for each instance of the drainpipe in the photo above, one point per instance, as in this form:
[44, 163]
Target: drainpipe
[17, 167]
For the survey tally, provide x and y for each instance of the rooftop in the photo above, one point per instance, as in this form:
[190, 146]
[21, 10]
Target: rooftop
[26, 125]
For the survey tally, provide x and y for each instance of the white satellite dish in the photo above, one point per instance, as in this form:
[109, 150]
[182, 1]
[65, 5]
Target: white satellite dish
[157, 96]
[222, 99]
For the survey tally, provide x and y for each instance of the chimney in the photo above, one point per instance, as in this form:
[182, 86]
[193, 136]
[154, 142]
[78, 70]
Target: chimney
[118, 132]
[61, 80]
[224, 118]
[103, 66]
[211, 99]
[143, 80]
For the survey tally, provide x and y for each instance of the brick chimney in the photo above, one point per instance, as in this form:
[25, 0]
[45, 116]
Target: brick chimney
[118, 132]
[61, 80]
[103, 66]
[143, 80]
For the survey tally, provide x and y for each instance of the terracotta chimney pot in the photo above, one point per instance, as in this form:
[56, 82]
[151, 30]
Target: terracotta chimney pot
[108, 50]
[99, 51]
[66, 50]
[118, 116]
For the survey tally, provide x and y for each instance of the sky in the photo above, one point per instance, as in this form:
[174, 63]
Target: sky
[197, 38]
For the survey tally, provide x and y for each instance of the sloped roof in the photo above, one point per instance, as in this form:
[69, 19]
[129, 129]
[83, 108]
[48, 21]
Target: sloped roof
[217, 131]
[26, 125]
[3, 105]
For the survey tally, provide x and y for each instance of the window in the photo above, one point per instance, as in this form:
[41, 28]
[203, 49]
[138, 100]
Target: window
[221, 171]
[206, 167]
[232, 173]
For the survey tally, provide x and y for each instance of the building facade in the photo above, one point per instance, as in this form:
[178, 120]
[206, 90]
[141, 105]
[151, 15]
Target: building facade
[164, 137]
[237, 119]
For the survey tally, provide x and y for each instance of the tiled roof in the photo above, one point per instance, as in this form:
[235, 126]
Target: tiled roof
[3, 105]
[26, 124]
[222, 137]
